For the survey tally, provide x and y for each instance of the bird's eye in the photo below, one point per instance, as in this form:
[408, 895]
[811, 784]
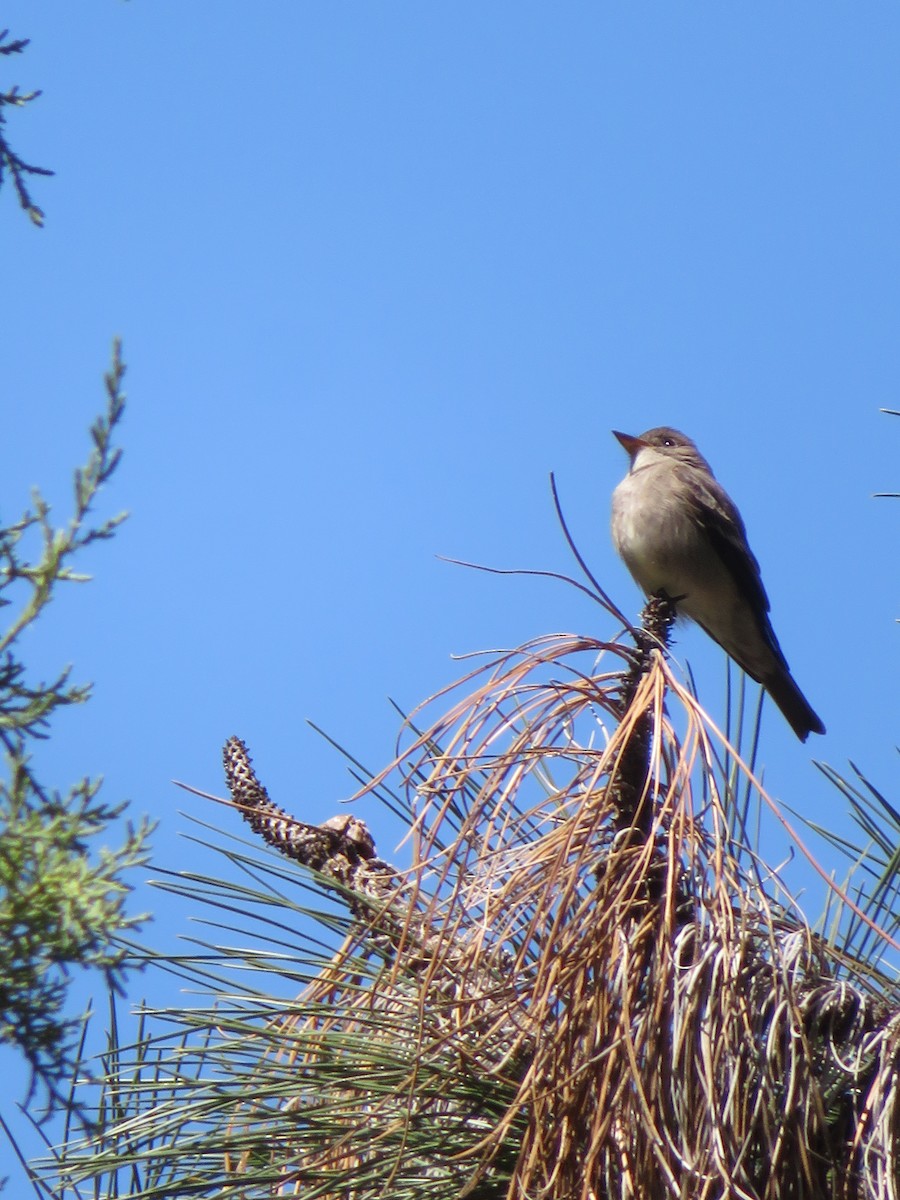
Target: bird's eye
[668, 441]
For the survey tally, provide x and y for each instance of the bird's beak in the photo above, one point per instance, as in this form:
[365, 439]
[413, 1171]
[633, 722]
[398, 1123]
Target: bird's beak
[630, 444]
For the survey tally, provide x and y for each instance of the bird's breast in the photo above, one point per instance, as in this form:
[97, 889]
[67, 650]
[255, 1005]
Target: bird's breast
[653, 532]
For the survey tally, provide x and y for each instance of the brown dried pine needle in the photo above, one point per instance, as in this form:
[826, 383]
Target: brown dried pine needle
[583, 991]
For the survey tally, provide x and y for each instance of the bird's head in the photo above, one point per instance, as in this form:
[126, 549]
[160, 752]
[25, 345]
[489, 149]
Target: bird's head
[662, 442]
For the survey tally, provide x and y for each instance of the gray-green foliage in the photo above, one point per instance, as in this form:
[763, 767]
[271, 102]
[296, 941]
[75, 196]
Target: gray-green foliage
[11, 163]
[62, 895]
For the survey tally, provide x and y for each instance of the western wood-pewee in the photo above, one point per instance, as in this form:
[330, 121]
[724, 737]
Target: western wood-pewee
[679, 533]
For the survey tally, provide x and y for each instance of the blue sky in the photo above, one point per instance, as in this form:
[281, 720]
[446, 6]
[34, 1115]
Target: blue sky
[378, 270]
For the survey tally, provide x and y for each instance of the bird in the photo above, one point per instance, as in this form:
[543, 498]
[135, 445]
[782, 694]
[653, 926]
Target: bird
[681, 535]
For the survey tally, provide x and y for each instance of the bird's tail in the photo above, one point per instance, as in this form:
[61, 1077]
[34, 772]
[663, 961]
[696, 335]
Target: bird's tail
[796, 708]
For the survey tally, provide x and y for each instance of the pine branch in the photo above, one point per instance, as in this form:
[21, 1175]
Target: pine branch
[62, 901]
[12, 164]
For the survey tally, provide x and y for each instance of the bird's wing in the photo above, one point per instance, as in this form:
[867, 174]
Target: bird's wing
[715, 511]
